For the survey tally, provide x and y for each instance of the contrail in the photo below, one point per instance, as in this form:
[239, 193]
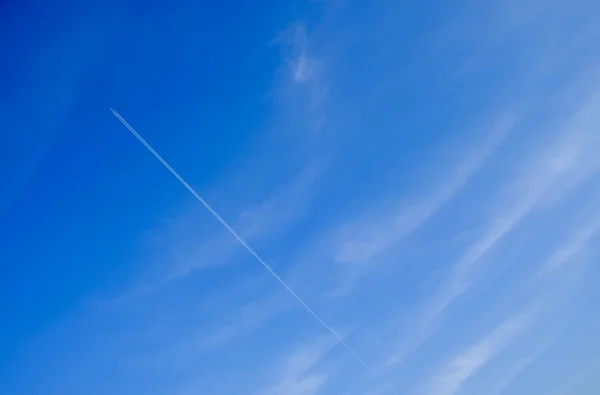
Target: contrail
[242, 242]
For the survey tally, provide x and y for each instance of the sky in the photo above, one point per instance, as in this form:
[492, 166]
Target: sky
[423, 176]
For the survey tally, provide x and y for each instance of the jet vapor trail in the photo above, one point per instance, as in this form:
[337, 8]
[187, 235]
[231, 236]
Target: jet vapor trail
[242, 242]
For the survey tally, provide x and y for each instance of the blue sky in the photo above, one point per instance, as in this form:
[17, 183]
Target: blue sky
[424, 175]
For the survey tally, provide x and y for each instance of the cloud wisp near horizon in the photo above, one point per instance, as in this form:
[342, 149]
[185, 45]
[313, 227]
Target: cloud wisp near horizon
[418, 181]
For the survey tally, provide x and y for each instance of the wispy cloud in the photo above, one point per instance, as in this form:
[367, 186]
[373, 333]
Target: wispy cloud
[360, 241]
[572, 156]
[572, 249]
[295, 41]
[266, 221]
[457, 372]
[437, 256]
[517, 368]
[183, 251]
[572, 386]
[296, 375]
[245, 319]
[304, 87]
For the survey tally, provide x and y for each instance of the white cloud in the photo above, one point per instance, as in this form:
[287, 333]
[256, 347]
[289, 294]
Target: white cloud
[580, 379]
[360, 241]
[572, 249]
[570, 157]
[180, 254]
[295, 41]
[457, 372]
[302, 69]
[248, 317]
[516, 368]
[547, 175]
[296, 375]
[308, 385]
[303, 87]
[270, 218]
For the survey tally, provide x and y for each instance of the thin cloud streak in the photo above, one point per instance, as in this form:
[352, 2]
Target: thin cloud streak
[247, 318]
[456, 373]
[379, 235]
[274, 215]
[568, 252]
[579, 379]
[269, 219]
[544, 175]
[572, 158]
[243, 243]
[295, 377]
[519, 367]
